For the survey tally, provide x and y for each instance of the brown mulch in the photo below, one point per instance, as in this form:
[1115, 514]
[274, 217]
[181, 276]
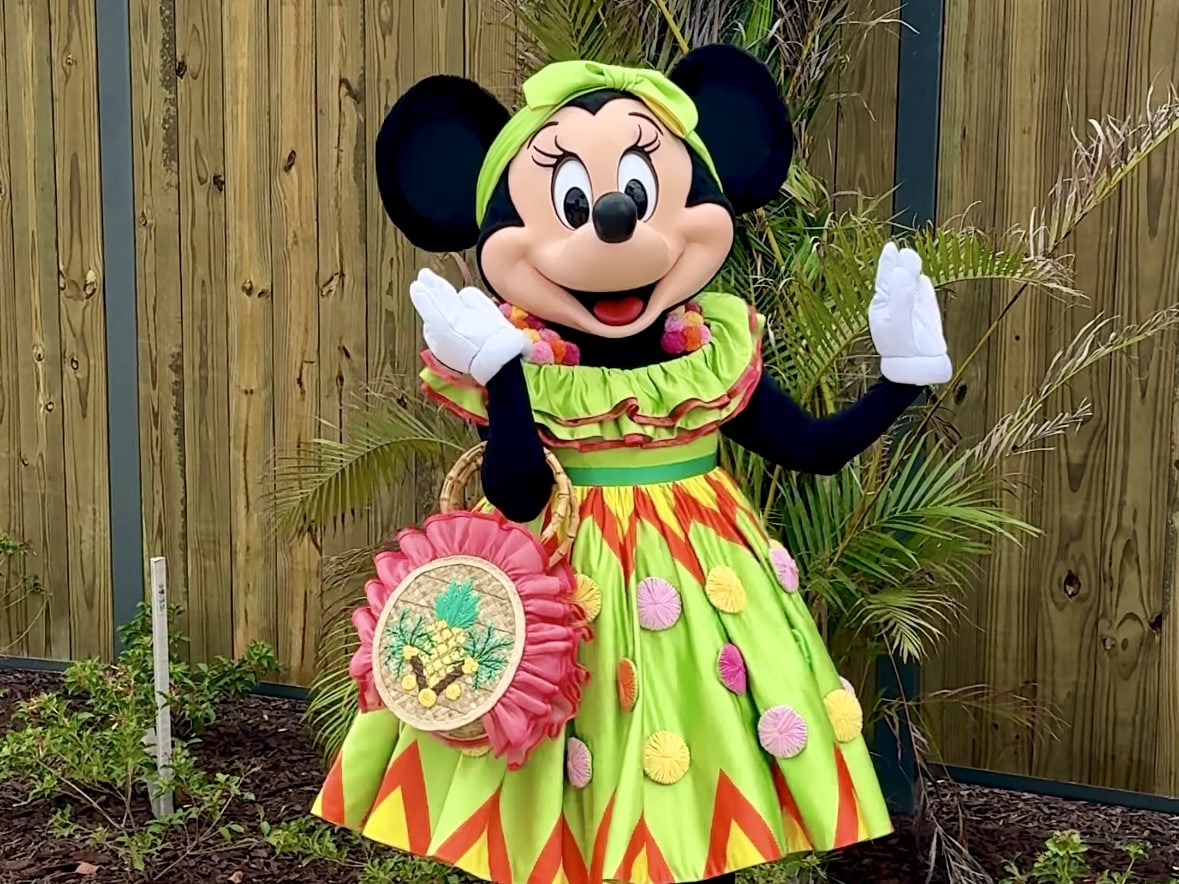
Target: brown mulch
[267, 737]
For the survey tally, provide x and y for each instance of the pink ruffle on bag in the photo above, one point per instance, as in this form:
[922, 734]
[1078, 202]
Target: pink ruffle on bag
[470, 631]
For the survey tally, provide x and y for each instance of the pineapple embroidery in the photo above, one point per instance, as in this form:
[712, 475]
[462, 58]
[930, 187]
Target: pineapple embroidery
[434, 658]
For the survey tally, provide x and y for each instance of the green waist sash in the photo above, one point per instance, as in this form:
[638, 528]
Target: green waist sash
[642, 474]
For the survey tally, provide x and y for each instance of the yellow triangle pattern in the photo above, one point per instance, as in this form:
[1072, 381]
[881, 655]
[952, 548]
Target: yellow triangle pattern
[389, 823]
[641, 873]
[740, 852]
[477, 860]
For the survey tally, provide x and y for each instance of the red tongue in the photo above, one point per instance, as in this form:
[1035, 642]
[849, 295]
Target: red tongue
[621, 311]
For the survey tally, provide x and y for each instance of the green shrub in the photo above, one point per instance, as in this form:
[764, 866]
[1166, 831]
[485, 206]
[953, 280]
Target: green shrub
[85, 748]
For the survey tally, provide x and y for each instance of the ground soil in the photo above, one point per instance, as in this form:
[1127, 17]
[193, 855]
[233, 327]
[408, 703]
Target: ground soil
[266, 737]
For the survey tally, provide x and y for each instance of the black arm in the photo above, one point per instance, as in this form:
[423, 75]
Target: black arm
[516, 479]
[773, 426]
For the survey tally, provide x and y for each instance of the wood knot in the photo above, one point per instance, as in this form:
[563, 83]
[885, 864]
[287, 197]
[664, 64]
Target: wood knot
[219, 182]
[74, 364]
[1072, 584]
[290, 163]
[347, 89]
[181, 68]
[1156, 623]
[960, 394]
[49, 406]
[90, 286]
[248, 287]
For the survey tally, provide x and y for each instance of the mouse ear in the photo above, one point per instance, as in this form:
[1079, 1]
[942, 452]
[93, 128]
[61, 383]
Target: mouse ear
[743, 121]
[429, 153]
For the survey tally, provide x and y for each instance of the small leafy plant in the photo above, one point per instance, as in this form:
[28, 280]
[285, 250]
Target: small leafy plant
[85, 749]
[1064, 861]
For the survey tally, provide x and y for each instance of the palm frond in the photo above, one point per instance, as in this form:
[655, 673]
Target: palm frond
[1101, 162]
[326, 480]
[1098, 340]
[952, 255]
[332, 698]
[562, 30]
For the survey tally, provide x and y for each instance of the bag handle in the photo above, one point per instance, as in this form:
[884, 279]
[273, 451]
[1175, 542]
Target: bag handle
[564, 517]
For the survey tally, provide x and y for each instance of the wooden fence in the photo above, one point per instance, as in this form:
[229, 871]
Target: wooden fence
[270, 291]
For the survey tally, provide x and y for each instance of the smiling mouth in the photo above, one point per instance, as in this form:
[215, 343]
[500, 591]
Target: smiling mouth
[616, 308]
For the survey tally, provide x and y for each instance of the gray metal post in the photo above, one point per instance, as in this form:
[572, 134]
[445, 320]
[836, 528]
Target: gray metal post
[118, 246]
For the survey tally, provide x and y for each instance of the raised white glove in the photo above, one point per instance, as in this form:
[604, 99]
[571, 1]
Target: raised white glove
[464, 329]
[906, 322]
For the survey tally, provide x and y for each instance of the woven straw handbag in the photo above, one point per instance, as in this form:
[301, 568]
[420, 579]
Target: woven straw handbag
[471, 632]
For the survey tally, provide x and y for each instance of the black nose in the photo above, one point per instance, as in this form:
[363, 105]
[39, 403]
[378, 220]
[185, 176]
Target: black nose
[615, 217]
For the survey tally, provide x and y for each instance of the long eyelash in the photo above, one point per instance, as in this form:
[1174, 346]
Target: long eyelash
[646, 147]
[555, 158]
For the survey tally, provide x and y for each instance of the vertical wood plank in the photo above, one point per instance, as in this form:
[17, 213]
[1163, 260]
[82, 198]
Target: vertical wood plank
[974, 51]
[1126, 714]
[1028, 137]
[15, 610]
[296, 320]
[866, 125]
[1066, 565]
[158, 283]
[202, 247]
[81, 285]
[249, 289]
[28, 60]
[391, 261]
[491, 48]
[343, 160]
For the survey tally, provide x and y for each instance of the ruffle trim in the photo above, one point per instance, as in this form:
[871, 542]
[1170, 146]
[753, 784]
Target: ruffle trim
[589, 408]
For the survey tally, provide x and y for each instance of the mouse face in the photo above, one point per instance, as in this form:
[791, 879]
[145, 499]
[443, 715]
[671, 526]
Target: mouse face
[604, 217]
[608, 238]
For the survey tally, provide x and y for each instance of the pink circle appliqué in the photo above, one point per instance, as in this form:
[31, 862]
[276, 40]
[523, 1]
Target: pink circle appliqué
[782, 732]
[785, 567]
[730, 665]
[579, 766]
[659, 604]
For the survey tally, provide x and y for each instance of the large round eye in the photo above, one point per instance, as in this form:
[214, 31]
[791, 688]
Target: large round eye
[636, 178]
[572, 193]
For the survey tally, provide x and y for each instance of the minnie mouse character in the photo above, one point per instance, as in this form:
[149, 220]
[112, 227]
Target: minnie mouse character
[714, 733]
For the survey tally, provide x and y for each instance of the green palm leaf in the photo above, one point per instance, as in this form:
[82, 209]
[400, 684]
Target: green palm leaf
[327, 480]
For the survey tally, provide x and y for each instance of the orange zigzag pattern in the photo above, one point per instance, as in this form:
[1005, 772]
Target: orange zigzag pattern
[486, 820]
[672, 511]
[731, 807]
[560, 854]
[405, 775]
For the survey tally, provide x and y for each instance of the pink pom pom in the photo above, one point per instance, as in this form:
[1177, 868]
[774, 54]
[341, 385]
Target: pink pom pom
[847, 685]
[675, 322]
[782, 732]
[547, 334]
[542, 353]
[731, 667]
[705, 335]
[572, 354]
[673, 342]
[506, 310]
[658, 603]
[579, 767]
[785, 567]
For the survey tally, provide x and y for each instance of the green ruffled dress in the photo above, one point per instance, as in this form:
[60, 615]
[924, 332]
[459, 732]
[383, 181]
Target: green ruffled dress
[715, 733]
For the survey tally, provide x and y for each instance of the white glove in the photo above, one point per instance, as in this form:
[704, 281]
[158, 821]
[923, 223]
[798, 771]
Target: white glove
[906, 322]
[465, 330]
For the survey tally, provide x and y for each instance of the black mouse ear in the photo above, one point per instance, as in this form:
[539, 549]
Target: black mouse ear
[743, 121]
[429, 152]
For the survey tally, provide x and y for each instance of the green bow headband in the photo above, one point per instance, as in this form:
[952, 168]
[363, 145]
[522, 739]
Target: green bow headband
[555, 85]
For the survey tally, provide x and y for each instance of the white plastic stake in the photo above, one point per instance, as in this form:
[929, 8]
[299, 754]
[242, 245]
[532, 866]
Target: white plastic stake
[161, 804]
